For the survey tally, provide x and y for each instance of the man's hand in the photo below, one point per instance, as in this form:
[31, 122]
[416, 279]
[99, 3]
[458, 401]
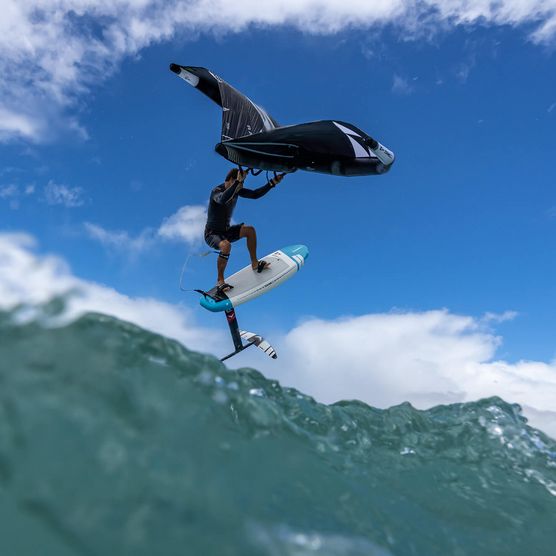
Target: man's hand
[277, 179]
[241, 175]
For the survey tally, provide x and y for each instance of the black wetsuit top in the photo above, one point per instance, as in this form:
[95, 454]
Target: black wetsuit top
[223, 202]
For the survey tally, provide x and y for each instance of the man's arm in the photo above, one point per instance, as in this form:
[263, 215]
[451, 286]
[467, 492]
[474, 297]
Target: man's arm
[228, 194]
[258, 193]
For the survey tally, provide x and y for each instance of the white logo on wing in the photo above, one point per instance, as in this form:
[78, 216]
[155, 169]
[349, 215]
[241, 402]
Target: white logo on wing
[360, 150]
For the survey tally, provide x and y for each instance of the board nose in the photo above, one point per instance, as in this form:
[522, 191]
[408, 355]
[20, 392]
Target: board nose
[294, 251]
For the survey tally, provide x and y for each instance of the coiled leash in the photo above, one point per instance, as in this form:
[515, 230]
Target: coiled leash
[186, 263]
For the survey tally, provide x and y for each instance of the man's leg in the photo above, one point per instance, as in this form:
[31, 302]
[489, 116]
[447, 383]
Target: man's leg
[251, 235]
[225, 247]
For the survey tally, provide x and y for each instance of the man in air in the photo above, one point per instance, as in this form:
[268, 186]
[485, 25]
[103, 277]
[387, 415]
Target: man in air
[218, 232]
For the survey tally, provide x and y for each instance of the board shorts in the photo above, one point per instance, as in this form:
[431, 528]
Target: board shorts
[213, 238]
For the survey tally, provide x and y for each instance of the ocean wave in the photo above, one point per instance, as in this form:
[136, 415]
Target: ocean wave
[115, 440]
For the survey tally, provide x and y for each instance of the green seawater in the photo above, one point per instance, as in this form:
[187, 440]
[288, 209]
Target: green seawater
[116, 441]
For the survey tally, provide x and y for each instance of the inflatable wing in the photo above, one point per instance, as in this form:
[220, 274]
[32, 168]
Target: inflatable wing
[253, 139]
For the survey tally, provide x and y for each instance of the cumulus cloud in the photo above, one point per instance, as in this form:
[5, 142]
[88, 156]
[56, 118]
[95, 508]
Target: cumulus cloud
[186, 225]
[29, 279]
[54, 51]
[426, 358]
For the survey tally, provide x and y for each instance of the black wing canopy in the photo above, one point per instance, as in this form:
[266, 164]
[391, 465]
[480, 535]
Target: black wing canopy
[241, 117]
[251, 138]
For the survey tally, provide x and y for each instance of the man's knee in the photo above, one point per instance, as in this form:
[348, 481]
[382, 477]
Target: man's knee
[225, 247]
[248, 231]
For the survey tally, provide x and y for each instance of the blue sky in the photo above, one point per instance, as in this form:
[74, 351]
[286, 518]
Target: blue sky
[464, 221]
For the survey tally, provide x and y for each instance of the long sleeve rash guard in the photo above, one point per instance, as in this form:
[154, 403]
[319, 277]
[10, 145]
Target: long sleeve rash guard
[223, 202]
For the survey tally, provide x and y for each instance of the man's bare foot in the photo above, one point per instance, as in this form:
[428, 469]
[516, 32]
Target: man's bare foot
[259, 266]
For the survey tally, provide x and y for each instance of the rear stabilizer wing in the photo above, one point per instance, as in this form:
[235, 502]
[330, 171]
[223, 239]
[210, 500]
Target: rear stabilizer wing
[250, 338]
[260, 342]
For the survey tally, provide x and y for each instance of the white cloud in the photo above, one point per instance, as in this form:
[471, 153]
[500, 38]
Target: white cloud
[58, 194]
[401, 86]
[121, 240]
[464, 70]
[53, 194]
[9, 191]
[427, 358]
[29, 279]
[495, 317]
[54, 51]
[13, 193]
[186, 225]
[17, 125]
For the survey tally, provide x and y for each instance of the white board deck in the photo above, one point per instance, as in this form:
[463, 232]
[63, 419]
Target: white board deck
[249, 284]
